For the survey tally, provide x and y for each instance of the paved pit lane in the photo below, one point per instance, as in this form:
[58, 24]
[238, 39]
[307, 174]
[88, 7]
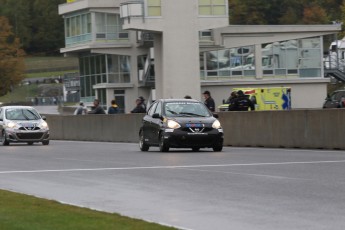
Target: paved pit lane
[238, 188]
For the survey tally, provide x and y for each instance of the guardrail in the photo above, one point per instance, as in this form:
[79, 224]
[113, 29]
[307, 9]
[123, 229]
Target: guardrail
[309, 129]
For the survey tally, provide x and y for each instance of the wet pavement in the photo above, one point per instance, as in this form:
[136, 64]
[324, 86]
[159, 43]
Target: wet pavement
[238, 188]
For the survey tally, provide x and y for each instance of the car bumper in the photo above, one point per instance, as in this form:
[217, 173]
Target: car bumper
[27, 136]
[183, 139]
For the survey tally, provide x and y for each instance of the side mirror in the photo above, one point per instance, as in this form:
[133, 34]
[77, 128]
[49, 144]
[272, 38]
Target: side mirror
[1, 119]
[215, 115]
[156, 115]
[223, 101]
[44, 118]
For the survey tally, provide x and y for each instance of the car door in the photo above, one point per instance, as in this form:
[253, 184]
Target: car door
[156, 123]
[1, 120]
[147, 120]
[333, 101]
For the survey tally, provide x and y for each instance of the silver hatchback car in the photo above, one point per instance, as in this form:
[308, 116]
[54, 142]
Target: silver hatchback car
[22, 124]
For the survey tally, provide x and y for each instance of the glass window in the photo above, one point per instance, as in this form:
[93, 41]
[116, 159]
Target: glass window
[76, 29]
[88, 22]
[67, 27]
[152, 109]
[22, 114]
[310, 42]
[212, 7]
[154, 8]
[87, 86]
[100, 22]
[159, 109]
[92, 65]
[82, 86]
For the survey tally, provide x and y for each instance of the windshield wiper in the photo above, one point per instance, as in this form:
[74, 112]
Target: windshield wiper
[170, 111]
[35, 116]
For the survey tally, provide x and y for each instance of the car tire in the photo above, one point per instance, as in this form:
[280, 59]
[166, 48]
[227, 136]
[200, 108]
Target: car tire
[143, 146]
[163, 146]
[218, 148]
[195, 149]
[30, 143]
[4, 140]
[45, 142]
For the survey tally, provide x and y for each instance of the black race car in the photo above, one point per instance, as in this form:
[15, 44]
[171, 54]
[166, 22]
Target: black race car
[180, 123]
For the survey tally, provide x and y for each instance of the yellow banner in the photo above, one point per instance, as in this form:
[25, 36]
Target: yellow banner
[70, 1]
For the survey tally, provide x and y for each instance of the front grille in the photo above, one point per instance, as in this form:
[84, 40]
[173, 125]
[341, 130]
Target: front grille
[29, 128]
[29, 136]
[193, 140]
[192, 130]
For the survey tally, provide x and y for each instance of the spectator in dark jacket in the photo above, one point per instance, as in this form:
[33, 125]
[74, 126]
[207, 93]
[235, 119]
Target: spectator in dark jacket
[139, 108]
[241, 103]
[209, 102]
[97, 109]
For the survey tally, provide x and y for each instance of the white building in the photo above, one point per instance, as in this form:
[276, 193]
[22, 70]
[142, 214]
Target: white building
[173, 48]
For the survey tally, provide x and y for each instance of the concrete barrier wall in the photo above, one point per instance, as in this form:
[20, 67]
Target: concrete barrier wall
[324, 129]
[113, 128]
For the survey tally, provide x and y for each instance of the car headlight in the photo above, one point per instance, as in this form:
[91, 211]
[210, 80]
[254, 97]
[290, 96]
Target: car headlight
[173, 124]
[216, 125]
[43, 125]
[11, 125]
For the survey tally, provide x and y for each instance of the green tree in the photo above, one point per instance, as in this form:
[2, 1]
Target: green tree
[36, 23]
[48, 27]
[314, 14]
[248, 12]
[342, 19]
[11, 58]
[19, 13]
[277, 12]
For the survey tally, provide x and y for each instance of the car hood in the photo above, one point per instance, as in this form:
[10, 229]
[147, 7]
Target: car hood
[193, 120]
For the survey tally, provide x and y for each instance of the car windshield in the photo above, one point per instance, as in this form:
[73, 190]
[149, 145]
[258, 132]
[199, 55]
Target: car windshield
[184, 108]
[22, 114]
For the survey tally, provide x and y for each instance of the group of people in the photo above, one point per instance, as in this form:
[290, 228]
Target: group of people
[113, 108]
[237, 101]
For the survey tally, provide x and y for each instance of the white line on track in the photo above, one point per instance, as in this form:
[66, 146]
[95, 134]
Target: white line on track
[169, 167]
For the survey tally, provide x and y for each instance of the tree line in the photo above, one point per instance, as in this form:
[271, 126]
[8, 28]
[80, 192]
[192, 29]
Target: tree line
[36, 23]
[41, 29]
[285, 12]
[35, 27]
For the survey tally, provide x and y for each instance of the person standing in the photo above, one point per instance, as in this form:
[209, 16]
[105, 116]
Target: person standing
[139, 108]
[97, 109]
[231, 99]
[81, 110]
[209, 102]
[142, 102]
[241, 103]
[113, 109]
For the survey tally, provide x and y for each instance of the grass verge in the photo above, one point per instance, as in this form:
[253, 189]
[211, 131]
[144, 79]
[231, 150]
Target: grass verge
[49, 74]
[20, 93]
[18, 211]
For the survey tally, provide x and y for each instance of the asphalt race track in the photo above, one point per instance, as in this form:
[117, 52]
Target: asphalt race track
[239, 188]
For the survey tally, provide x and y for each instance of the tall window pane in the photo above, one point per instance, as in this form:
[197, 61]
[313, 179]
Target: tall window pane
[154, 8]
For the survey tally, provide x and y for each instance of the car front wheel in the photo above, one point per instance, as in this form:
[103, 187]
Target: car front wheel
[4, 140]
[45, 142]
[143, 146]
[163, 146]
[218, 148]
